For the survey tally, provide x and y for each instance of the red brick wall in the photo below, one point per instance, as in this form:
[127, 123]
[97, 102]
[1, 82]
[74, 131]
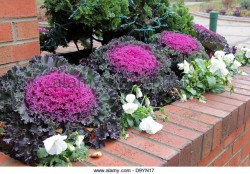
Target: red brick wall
[19, 37]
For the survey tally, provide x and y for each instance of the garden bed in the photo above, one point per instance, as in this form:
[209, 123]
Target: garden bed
[215, 133]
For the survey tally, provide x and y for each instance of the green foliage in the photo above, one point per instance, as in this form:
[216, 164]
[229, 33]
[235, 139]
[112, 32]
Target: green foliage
[180, 20]
[83, 20]
[66, 157]
[146, 18]
[144, 110]
[245, 4]
[200, 80]
[243, 56]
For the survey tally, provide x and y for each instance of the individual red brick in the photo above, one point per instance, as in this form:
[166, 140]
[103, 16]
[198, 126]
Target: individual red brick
[240, 77]
[247, 111]
[17, 8]
[234, 125]
[223, 158]
[222, 99]
[7, 55]
[196, 151]
[106, 160]
[246, 150]
[241, 116]
[27, 30]
[138, 156]
[241, 91]
[164, 138]
[5, 32]
[209, 159]
[150, 147]
[235, 161]
[207, 143]
[225, 127]
[201, 107]
[180, 131]
[185, 159]
[19, 52]
[217, 135]
[4, 158]
[241, 141]
[191, 114]
[175, 161]
[234, 96]
[241, 86]
[231, 138]
[26, 51]
[241, 81]
[195, 125]
[216, 105]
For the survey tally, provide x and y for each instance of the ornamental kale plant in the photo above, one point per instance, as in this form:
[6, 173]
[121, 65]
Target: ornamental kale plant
[50, 96]
[179, 47]
[210, 40]
[125, 62]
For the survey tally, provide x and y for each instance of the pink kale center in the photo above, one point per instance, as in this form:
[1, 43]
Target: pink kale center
[133, 58]
[183, 43]
[59, 96]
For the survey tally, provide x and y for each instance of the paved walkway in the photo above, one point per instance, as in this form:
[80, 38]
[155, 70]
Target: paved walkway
[237, 33]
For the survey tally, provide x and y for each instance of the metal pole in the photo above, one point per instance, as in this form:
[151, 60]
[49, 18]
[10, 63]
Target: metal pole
[213, 21]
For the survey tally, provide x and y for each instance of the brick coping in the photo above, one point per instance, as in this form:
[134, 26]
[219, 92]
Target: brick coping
[194, 133]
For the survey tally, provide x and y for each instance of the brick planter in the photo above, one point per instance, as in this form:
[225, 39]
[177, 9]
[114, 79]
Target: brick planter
[216, 133]
[19, 37]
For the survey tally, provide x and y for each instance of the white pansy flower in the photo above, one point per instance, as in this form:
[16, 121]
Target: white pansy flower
[71, 147]
[183, 97]
[216, 65]
[219, 54]
[247, 53]
[130, 98]
[147, 102]
[55, 145]
[184, 66]
[150, 126]
[138, 92]
[229, 58]
[79, 140]
[236, 65]
[130, 108]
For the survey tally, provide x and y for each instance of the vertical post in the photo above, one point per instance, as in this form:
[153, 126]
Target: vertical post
[213, 21]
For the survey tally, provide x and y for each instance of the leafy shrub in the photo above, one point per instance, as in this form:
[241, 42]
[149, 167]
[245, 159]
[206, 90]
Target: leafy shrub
[180, 20]
[125, 62]
[103, 20]
[210, 40]
[179, 47]
[39, 101]
[84, 20]
[245, 4]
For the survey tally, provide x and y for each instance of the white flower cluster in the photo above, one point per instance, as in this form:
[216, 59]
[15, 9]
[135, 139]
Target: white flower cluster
[56, 144]
[228, 59]
[247, 50]
[186, 67]
[147, 124]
